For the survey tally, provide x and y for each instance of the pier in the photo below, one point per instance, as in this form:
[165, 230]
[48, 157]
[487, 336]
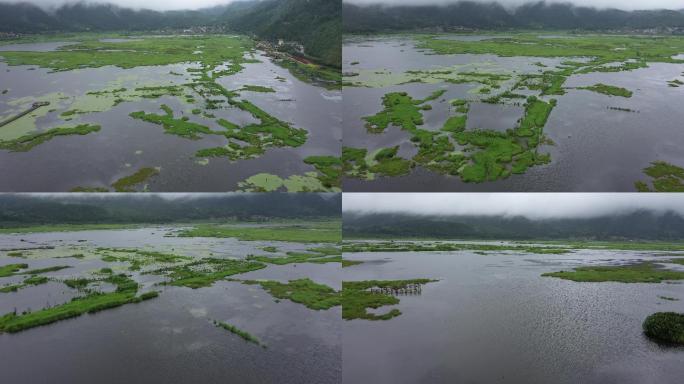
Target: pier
[33, 107]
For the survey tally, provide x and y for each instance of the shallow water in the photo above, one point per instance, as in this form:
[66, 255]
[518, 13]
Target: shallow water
[596, 149]
[125, 145]
[493, 318]
[170, 338]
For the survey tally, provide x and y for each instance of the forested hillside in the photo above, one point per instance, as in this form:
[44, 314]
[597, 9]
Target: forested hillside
[635, 225]
[533, 15]
[17, 210]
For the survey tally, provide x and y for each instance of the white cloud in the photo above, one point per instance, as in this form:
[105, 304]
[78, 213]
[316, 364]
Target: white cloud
[530, 205]
[137, 4]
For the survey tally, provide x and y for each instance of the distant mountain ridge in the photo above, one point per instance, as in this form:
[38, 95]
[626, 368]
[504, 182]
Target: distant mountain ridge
[533, 15]
[314, 23]
[644, 225]
[21, 210]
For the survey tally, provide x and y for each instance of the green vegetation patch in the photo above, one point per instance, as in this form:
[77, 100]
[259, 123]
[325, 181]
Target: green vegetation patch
[303, 291]
[126, 184]
[92, 302]
[608, 90]
[179, 127]
[27, 142]
[30, 281]
[315, 255]
[484, 155]
[643, 272]
[665, 327]
[359, 296]
[324, 232]
[237, 331]
[665, 177]
[205, 272]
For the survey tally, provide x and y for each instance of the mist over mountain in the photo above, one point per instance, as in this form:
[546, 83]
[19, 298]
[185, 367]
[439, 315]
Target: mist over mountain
[314, 23]
[485, 15]
[635, 225]
[18, 210]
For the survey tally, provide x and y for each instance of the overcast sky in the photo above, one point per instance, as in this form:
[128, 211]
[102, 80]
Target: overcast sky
[621, 4]
[531, 205]
[148, 4]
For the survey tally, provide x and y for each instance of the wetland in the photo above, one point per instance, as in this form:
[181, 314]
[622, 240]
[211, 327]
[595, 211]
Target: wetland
[511, 112]
[164, 113]
[563, 312]
[180, 302]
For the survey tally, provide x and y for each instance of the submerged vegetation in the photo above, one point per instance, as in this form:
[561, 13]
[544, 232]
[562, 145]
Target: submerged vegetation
[359, 296]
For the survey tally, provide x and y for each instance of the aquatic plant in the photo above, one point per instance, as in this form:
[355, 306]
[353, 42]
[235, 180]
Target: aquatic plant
[302, 291]
[357, 297]
[665, 327]
[236, 331]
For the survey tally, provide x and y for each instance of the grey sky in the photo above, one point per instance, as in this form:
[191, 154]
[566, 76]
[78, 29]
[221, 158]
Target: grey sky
[531, 205]
[148, 4]
[620, 4]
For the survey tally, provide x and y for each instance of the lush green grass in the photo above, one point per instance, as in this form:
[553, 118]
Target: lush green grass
[303, 291]
[126, 184]
[609, 90]
[328, 232]
[27, 142]
[236, 331]
[92, 302]
[665, 327]
[356, 299]
[643, 272]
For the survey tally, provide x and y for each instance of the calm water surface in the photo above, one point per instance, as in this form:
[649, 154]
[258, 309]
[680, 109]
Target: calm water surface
[493, 318]
[171, 338]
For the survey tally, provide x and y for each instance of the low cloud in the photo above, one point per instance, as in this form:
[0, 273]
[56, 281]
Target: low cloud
[530, 205]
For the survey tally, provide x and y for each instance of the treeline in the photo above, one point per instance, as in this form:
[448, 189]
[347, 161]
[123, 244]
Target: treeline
[533, 15]
[314, 23]
[643, 225]
[20, 210]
